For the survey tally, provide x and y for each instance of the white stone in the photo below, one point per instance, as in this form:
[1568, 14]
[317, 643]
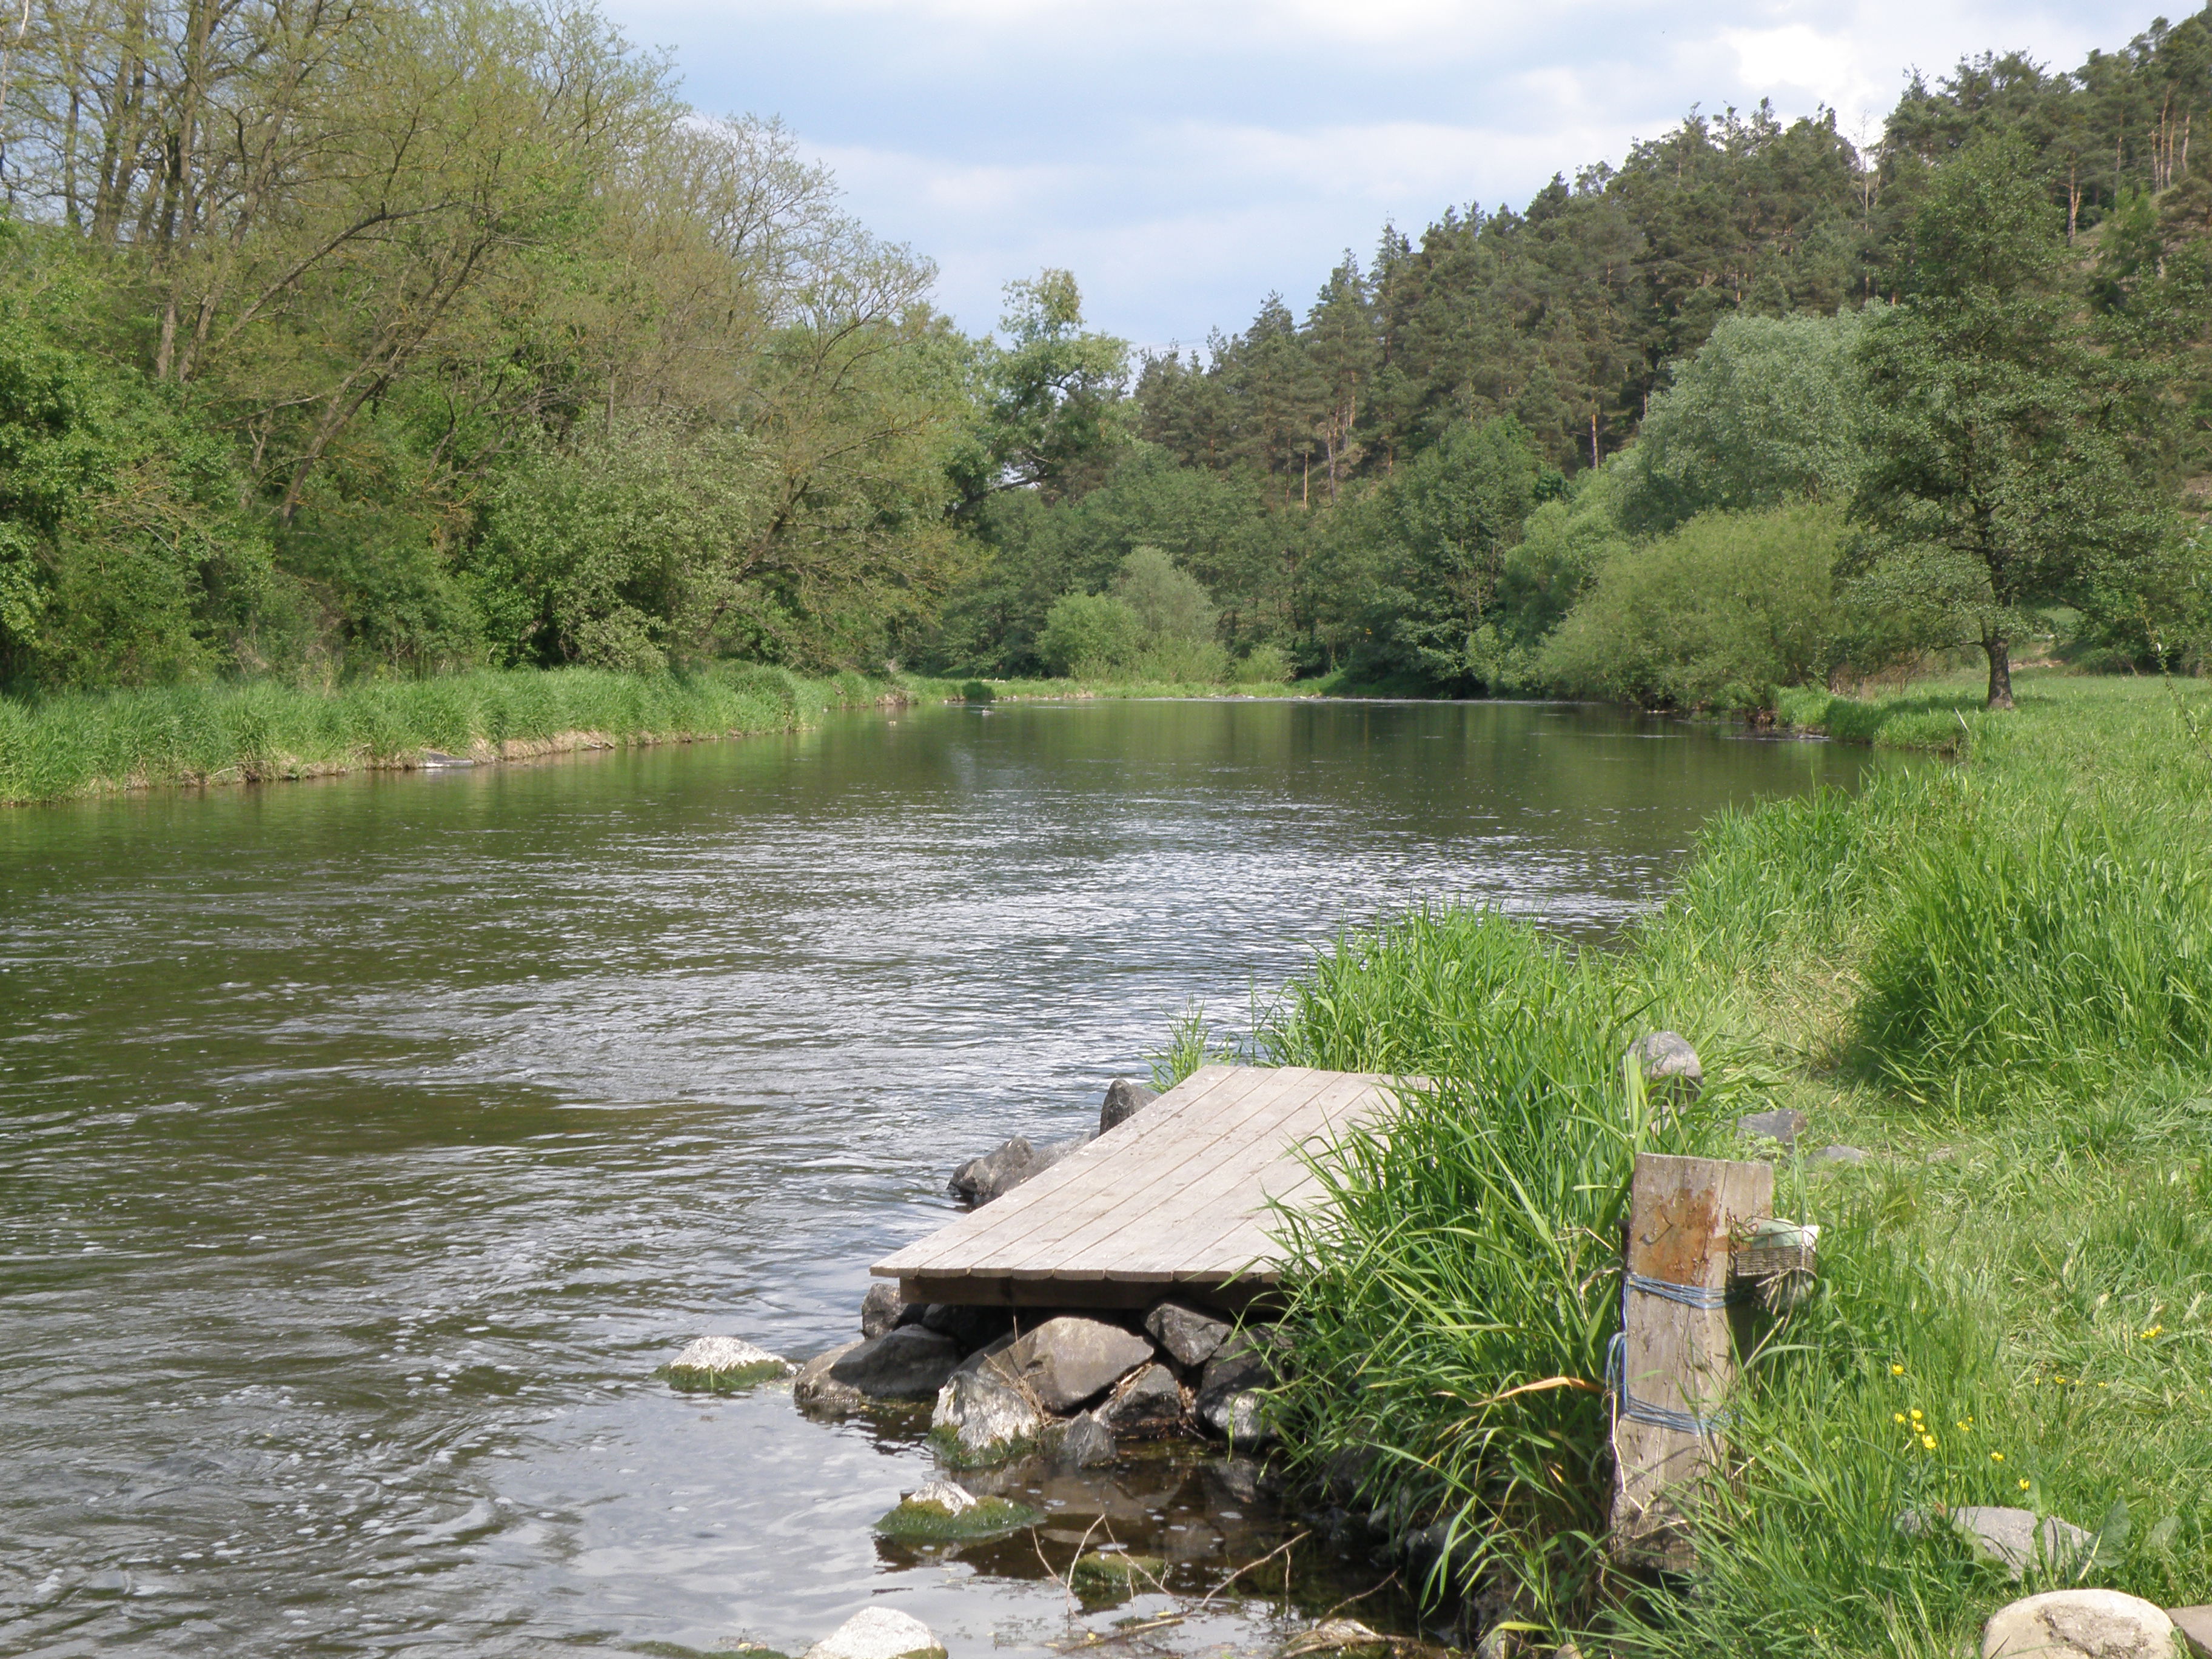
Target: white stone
[953, 1499]
[877, 1633]
[2079, 1623]
[726, 1354]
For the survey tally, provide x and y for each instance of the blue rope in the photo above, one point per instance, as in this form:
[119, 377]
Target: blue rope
[1642, 1411]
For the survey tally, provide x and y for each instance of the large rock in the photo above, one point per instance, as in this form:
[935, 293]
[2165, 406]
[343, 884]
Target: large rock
[2014, 1540]
[1086, 1444]
[1065, 1361]
[1124, 1100]
[815, 1390]
[1147, 1405]
[2195, 1627]
[879, 1633]
[1190, 1337]
[982, 1419]
[1784, 1125]
[999, 1172]
[2079, 1623]
[1228, 1399]
[880, 1309]
[909, 1362]
[1838, 1155]
[1670, 1066]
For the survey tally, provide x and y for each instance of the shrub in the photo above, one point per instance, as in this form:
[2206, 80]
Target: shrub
[1089, 635]
[1715, 615]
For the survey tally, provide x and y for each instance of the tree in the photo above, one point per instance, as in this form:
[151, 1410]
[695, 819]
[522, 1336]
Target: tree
[1052, 410]
[1998, 432]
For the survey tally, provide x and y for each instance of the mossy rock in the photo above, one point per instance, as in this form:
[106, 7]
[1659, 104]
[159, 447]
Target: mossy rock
[931, 1523]
[1117, 1573]
[732, 1380]
[946, 1442]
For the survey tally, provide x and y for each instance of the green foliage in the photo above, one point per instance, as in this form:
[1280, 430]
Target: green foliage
[1998, 432]
[1768, 412]
[1715, 615]
[1090, 636]
[912, 1523]
[1168, 602]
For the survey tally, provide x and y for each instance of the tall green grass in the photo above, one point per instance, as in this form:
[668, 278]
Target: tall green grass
[1995, 976]
[83, 743]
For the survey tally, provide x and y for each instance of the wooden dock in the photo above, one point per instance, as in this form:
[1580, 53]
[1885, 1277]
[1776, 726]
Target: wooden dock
[1174, 1201]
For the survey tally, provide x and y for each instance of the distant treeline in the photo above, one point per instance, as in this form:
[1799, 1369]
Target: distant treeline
[403, 336]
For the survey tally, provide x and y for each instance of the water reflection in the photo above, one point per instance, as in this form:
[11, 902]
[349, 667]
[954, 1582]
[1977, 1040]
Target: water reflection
[364, 1144]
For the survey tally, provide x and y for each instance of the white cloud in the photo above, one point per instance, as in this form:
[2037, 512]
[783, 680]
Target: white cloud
[1184, 157]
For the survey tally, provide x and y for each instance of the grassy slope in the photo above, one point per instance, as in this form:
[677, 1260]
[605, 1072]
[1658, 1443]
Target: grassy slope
[87, 743]
[1996, 976]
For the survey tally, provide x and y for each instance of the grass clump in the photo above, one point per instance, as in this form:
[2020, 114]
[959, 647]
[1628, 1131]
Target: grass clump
[1995, 975]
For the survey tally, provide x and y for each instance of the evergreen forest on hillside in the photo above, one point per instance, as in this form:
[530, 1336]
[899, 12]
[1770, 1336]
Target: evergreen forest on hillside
[365, 338]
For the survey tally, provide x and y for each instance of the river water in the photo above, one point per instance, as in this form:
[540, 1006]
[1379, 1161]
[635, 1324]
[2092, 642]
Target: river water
[365, 1143]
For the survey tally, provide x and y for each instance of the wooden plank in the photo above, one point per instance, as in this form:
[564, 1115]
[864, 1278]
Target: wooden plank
[1175, 1199]
[1009, 1220]
[1184, 1176]
[1142, 1172]
[1675, 1357]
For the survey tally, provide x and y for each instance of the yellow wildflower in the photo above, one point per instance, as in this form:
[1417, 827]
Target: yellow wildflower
[2023, 1485]
[1897, 1417]
[1929, 1441]
[1897, 1371]
[1997, 1457]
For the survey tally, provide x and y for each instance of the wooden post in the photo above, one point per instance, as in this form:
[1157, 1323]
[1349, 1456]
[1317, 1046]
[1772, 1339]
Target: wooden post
[1677, 1357]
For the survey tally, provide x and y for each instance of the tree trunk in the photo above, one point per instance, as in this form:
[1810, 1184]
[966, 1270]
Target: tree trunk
[2000, 653]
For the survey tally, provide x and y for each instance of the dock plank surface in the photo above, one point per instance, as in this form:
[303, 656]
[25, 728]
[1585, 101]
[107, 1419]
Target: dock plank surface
[1176, 1197]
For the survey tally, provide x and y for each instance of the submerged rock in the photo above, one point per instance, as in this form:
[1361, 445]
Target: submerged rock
[1067, 1360]
[1004, 1168]
[1102, 1572]
[880, 1309]
[982, 1419]
[879, 1633]
[723, 1362]
[939, 1509]
[1191, 1337]
[1146, 1405]
[2079, 1623]
[907, 1363]
[1124, 1100]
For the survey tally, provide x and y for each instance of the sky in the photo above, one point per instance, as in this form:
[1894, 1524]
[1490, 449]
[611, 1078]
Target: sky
[1185, 158]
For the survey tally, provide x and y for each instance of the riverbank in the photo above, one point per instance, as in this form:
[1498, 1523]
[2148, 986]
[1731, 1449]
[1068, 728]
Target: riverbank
[73, 744]
[1994, 980]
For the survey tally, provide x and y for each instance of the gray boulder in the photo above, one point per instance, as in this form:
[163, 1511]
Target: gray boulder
[990, 1350]
[1670, 1066]
[2194, 1624]
[1146, 1405]
[999, 1172]
[1124, 1100]
[880, 1309]
[1065, 1361]
[909, 1362]
[2014, 1540]
[2079, 1623]
[1189, 1335]
[981, 1418]
[1229, 1401]
[1086, 1444]
[815, 1390]
[879, 1633]
[1784, 1125]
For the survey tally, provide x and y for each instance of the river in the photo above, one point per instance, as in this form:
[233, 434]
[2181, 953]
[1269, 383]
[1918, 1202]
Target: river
[365, 1144]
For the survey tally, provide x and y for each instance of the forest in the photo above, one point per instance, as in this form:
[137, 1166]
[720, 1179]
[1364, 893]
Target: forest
[352, 339]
